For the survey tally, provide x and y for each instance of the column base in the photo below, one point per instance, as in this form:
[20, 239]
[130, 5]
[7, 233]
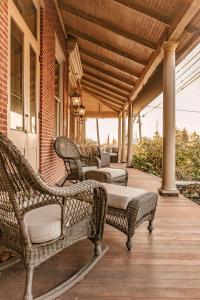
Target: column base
[170, 193]
[122, 161]
[129, 166]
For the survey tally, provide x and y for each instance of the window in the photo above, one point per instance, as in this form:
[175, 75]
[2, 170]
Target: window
[16, 81]
[29, 13]
[57, 98]
[33, 108]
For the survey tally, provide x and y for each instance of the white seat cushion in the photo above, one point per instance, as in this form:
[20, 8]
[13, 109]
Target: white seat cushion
[113, 172]
[120, 196]
[44, 223]
[89, 168]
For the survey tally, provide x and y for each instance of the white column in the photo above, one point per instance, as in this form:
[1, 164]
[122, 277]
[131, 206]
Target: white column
[168, 173]
[97, 129]
[130, 135]
[123, 154]
[119, 137]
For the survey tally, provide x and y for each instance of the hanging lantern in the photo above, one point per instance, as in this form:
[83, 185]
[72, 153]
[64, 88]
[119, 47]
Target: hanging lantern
[81, 111]
[76, 100]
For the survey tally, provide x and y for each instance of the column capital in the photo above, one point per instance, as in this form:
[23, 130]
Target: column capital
[170, 46]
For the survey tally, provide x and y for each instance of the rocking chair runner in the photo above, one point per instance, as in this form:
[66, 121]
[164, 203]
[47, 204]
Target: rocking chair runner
[38, 220]
[75, 162]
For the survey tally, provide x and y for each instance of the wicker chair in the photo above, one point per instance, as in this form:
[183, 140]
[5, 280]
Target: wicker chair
[104, 157]
[80, 211]
[75, 163]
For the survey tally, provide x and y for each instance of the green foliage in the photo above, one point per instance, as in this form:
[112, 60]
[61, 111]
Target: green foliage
[148, 155]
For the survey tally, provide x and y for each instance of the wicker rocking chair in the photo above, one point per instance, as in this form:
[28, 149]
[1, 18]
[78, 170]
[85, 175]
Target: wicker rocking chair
[37, 220]
[75, 162]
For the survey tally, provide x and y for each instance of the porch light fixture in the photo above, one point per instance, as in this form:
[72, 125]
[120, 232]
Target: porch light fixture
[79, 108]
[81, 111]
[76, 101]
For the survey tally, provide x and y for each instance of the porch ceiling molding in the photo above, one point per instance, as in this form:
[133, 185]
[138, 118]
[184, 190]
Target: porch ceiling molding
[75, 66]
[102, 115]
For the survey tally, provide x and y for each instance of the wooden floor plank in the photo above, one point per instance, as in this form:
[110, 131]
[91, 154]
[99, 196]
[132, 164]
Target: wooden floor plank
[162, 266]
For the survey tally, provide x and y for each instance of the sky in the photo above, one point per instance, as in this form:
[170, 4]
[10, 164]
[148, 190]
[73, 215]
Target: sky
[187, 98]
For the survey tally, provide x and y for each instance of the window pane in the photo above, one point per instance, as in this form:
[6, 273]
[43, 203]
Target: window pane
[29, 13]
[32, 91]
[17, 97]
[57, 118]
[57, 79]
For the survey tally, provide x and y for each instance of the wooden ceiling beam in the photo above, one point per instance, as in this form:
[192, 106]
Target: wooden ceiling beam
[101, 44]
[102, 115]
[106, 82]
[144, 10]
[109, 62]
[107, 25]
[102, 95]
[104, 86]
[108, 73]
[103, 100]
[118, 99]
[181, 20]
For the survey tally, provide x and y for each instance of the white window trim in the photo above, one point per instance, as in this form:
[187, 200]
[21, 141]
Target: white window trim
[15, 15]
[59, 55]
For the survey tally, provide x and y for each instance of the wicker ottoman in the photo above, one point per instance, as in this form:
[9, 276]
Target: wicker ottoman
[109, 175]
[128, 208]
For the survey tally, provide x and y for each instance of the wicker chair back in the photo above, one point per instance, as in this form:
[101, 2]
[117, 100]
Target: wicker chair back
[65, 147]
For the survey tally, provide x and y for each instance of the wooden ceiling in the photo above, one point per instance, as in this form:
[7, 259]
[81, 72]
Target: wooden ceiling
[120, 41]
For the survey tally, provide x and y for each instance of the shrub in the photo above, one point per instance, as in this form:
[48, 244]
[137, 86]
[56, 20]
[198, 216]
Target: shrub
[148, 155]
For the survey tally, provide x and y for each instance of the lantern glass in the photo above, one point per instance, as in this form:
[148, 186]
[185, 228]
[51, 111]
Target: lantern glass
[81, 111]
[76, 100]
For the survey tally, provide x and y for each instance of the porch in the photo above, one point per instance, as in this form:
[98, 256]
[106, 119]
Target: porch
[162, 266]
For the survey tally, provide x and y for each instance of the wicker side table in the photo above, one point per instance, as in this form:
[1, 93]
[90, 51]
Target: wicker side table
[109, 175]
[128, 208]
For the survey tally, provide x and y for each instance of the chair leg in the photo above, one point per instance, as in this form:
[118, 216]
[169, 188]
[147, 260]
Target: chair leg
[29, 279]
[150, 226]
[97, 249]
[129, 243]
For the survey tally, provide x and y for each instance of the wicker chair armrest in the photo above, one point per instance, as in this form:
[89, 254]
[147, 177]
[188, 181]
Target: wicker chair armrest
[89, 191]
[57, 195]
[73, 190]
[91, 161]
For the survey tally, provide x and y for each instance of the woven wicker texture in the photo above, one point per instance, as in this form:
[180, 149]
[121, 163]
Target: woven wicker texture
[140, 209]
[83, 208]
[106, 177]
[73, 158]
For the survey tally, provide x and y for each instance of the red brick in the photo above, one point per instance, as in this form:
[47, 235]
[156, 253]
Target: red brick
[3, 64]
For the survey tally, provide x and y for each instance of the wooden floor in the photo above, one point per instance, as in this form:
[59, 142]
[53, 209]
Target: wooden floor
[165, 265]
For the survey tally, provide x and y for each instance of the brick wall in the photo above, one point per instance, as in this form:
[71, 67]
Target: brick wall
[51, 167]
[3, 64]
